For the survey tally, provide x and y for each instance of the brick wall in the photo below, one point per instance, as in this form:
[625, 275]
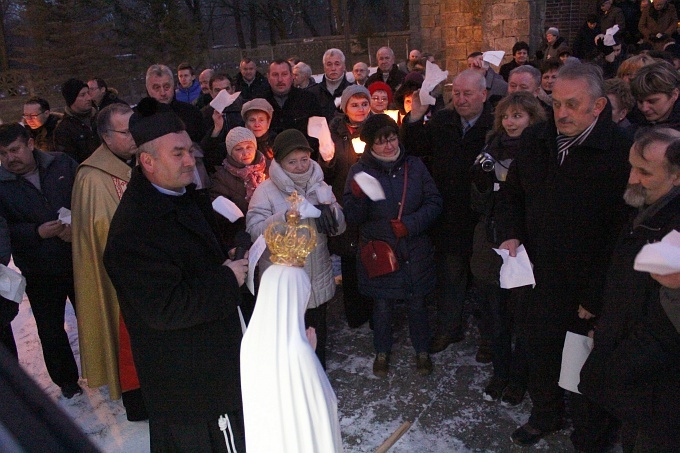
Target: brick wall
[453, 29]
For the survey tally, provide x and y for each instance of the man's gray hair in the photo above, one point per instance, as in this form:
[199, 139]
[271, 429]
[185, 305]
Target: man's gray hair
[473, 74]
[158, 70]
[332, 53]
[527, 69]
[105, 114]
[304, 68]
[664, 135]
[385, 48]
[147, 147]
[586, 72]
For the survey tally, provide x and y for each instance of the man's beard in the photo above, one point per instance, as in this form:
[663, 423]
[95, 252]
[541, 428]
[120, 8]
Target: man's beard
[635, 195]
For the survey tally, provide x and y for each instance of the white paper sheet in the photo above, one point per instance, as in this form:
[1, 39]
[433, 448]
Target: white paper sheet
[64, 216]
[575, 353]
[227, 208]
[317, 127]
[223, 100]
[662, 257]
[516, 271]
[609, 36]
[324, 194]
[254, 254]
[12, 284]
[433, 77]
[370, 186]
[494, 57]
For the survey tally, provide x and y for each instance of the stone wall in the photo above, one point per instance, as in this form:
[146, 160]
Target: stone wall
[452, 29]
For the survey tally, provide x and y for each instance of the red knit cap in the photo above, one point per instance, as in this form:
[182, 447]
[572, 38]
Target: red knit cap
[381, 86]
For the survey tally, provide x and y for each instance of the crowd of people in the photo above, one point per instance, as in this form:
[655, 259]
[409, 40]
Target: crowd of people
[576, 161]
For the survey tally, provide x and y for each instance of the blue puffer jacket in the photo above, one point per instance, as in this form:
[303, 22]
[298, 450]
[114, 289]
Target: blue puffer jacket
[188, 95]
[26, 208]
[416, 275]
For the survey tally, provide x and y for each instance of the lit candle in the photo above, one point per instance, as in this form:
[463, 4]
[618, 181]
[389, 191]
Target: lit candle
[358, 145]
[394, 114]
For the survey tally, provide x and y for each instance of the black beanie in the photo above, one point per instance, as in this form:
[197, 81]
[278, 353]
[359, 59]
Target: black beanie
[373, 124]
[152, 120]
[70, 90]
[288, 141]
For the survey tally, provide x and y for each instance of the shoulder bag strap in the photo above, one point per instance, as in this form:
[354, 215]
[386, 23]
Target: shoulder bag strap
[403, 194]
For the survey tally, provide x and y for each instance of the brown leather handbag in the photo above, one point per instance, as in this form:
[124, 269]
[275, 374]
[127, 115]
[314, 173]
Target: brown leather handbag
[378, 257]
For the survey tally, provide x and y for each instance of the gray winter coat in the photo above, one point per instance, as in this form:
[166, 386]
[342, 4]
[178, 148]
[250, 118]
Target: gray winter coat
[269, 204]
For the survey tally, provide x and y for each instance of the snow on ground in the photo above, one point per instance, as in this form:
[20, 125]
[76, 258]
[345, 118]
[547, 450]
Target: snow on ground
[446, 409]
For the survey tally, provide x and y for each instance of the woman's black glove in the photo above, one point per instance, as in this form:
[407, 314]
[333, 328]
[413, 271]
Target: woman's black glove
[326, 223]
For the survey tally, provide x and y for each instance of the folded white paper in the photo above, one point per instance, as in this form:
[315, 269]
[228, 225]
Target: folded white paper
[609, 36]
[254, 254]
[324, 194]
[575, 353]
[317, 127]
[308, 210]
[64, 216]
[223, 100]
[433, 77]
[12, 284]
[516, 271]
[494, 57]
[370, 186]
[227, 208]
[662, 257]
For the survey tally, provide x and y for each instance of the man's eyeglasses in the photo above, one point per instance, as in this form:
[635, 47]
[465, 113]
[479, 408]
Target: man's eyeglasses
[379, 99]
[32, 116]
[125, 133]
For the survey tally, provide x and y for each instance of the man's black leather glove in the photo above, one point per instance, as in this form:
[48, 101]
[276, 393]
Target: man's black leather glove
[326, 223]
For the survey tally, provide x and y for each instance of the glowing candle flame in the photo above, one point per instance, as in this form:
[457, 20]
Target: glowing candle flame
[358, 145]
[394, 114]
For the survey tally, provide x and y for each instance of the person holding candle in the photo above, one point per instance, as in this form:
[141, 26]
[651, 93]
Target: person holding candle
[345, 129]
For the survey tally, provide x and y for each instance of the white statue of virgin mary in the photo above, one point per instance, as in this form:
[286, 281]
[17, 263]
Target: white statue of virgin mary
[288, 403]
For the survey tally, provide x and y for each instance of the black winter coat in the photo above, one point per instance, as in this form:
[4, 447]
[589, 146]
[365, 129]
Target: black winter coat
[416, 275]
[452, 156]
[178, 301]
[395, 78]
[26, 208]
[634, 328]
[76, 136]
[259, 87]
[299, 106]
[326, 99]
[191, 117]
[214, 148]
[567, 217]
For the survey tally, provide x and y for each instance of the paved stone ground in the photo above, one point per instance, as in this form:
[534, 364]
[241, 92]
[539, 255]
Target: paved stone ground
[447, 409]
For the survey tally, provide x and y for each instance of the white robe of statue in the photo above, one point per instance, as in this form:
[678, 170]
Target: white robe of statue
[288, 403]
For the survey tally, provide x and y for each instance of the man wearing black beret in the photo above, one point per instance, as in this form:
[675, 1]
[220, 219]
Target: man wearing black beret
[178, 293]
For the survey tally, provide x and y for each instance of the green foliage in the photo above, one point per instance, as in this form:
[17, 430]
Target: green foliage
[63, 39]
[160, 31]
